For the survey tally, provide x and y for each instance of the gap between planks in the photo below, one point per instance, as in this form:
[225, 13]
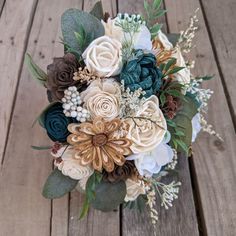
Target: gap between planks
[223, 79]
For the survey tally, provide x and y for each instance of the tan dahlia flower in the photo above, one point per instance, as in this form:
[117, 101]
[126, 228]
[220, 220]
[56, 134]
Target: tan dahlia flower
[97, 143]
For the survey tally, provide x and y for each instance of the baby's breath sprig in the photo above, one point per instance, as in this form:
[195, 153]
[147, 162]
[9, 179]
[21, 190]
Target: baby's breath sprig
[174, 162]
[167, 192]
[185, 42]
[130, 24]
[151, 202]
[131, 101]
[201, 95]
[208, 128]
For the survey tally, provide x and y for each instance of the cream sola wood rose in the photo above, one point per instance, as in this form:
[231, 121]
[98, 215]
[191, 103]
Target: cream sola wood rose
[147, 127]
[70, 166]
[103, 57]
[163, 49]
[134, 188]
[102, 99]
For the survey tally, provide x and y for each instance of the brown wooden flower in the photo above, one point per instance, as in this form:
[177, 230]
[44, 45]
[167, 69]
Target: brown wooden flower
[97, 143]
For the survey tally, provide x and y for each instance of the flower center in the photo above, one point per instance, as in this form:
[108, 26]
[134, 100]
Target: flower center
[99, 140]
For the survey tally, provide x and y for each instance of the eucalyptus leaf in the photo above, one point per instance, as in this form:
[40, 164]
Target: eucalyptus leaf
[41, 147]
[97, 10]
[57, 185]
[72, 20]
[108, 196]
[36, 72]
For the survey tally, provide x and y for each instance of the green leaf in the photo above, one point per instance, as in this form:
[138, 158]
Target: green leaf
[174, 70]
[160, 13]
[189, 107]
[173, 38]
[36, 72]
[170, 63]
[157, 4]
[162, 99]
[85, 209]
[183, 125]
[91, 184]
[146, 6]
[108, 196]
[41, 147]
[72, 20]
[57, 185]
[97, 10]
[170, 123]
[175, 93]
[207, 77]
[154, 30]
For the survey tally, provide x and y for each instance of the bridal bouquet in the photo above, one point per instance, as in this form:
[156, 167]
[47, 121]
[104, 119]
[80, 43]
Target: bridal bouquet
[122, 103]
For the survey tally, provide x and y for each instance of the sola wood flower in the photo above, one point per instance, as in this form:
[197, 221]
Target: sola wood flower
[97, 143]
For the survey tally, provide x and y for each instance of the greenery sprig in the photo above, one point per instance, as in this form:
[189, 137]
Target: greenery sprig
[153, 12]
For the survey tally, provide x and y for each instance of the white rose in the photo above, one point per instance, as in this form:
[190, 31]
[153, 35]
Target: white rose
[134, 189]
[196, 125]
[70, 166]
[150, 163]
[102, 98]
[103, 57]
[145, 133]
[141, 39]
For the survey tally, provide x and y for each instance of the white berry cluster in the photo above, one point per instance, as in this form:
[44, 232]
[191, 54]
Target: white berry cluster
[71, 105]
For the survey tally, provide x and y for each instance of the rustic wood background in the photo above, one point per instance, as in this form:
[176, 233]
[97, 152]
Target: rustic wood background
[207, 201]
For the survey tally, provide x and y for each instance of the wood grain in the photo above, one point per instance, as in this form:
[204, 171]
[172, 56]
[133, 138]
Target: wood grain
[23, 209]
[181, 218]
[12, 45]
[214, 161]
[221, 23]
[1, 6]
[96, 222]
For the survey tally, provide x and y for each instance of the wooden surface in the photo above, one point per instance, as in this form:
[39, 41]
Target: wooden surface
[206, 204]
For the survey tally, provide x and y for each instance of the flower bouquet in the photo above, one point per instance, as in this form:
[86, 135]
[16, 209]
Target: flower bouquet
[122, 103]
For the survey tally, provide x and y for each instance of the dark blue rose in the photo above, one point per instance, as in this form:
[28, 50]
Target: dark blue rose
[142, 72]
[55, 122]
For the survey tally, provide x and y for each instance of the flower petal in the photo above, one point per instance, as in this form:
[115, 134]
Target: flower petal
[97, 161]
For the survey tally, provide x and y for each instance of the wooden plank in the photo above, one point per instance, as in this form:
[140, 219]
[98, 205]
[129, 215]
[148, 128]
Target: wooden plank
[221, 24]
[96, 222]
[2, 2]
[108, 6]
[214, 161]
[12, 45]
[23, 210]
[178, 220]
[181, 218]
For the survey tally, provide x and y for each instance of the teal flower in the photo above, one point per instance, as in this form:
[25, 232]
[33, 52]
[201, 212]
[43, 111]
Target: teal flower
[142, 72]
[55, 122]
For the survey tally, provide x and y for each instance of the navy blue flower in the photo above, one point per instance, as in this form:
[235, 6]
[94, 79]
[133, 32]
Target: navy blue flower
[55, 122]
[142, 72]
